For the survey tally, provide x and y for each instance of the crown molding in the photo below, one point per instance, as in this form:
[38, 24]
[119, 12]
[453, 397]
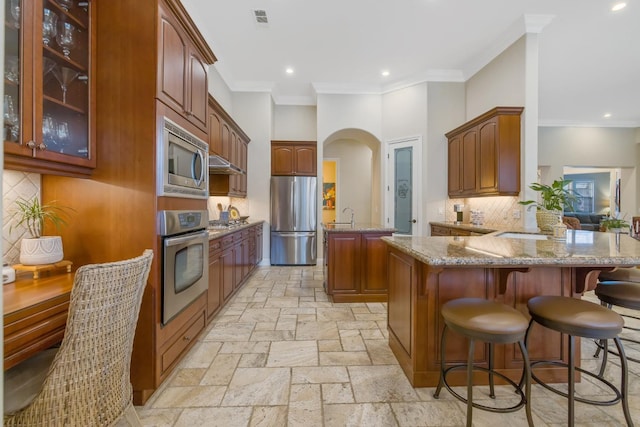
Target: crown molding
[584, 124]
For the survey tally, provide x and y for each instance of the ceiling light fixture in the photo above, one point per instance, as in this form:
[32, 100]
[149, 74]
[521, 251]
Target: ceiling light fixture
[618, 6]
[385, 73]
[289, 70]
[607, 115]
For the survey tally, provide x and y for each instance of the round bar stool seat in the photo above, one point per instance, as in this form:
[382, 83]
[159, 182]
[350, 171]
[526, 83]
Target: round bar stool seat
[494, 323]
[576, 317]
[621, 294]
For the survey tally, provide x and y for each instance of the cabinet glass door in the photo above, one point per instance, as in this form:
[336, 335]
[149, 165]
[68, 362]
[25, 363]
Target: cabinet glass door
[64, 71]
[12, 71]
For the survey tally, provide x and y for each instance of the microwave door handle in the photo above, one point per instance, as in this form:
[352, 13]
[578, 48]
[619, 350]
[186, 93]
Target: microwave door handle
[201, 176]
[173, 241]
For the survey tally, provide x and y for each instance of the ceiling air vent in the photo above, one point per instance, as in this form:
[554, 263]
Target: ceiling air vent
[261, 16]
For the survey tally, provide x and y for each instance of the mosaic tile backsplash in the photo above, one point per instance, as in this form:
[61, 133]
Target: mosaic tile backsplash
[496, 210]
[15, 185]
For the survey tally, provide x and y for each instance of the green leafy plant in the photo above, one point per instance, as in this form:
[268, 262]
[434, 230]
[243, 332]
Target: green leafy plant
[33, 215]
[553, 197]
[612, 222]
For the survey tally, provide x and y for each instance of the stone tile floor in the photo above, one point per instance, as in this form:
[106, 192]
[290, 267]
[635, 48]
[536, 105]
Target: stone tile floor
[281, 354]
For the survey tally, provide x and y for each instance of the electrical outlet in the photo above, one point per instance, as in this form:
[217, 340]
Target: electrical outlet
[440, 211]
[516, 214]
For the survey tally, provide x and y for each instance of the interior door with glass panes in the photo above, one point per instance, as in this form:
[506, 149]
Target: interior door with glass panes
[402, 195]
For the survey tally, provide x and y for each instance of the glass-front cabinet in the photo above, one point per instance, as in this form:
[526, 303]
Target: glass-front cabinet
[49, 86]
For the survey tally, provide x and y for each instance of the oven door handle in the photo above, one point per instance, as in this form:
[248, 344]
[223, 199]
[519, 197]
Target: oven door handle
[173, 241]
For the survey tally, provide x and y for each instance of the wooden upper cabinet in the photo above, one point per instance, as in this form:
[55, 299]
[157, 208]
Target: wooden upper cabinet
[227, 140]
[182, 69]
[484, 155]
[293, 158]
[49, 118]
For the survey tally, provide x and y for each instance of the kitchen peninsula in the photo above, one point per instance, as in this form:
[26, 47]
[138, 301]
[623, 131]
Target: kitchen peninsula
[426, 272]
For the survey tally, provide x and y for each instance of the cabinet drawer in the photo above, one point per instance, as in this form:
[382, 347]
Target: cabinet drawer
[227, 241]
[184, 339]
[436, 230]
[215, 246]
[458, 232]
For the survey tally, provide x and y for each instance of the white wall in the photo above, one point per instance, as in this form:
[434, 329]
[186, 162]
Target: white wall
[446, 111]
[355, 177]
[295, 123]
[252, 112]
[219, 90]
[338, 112]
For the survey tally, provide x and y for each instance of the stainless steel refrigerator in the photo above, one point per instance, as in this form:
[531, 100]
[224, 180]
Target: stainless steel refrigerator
[293, 220]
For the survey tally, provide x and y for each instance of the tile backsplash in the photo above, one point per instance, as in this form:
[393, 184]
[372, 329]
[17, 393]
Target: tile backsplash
[15, 185]
[497, 210]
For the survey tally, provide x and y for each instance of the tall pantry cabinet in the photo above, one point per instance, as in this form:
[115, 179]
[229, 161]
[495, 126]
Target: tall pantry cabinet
[152, 64]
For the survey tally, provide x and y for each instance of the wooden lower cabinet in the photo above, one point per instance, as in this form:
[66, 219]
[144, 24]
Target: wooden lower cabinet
[417, 292]
[230, 264]
[356, 266]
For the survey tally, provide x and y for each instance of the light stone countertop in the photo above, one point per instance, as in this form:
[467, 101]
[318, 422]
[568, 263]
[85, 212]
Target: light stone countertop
[581, 248]
[359, 227]
[215, 233]
[483, 229]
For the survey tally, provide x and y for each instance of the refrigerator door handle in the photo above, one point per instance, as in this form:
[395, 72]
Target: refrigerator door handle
[296, 234]
[293, 201]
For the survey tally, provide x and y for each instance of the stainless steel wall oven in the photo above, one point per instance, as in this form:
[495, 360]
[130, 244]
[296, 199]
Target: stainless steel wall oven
[185, 258]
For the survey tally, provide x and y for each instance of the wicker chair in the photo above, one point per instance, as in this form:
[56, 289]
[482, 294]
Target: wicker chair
[88, 383]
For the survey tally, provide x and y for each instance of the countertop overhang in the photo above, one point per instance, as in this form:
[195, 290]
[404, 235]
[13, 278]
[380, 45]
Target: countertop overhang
[215, 233]
[358, 227]
[581, 248]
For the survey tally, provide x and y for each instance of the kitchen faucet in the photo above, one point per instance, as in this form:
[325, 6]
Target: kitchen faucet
[353, 220]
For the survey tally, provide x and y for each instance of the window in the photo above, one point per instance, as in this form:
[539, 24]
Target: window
[584, 192]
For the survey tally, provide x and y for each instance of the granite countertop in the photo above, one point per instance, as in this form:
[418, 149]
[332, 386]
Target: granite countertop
[480, 229]
[359, 227]
[581, 248]
[214, 233]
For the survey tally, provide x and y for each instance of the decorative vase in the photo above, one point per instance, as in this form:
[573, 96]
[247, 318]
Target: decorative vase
[546, 220]
[43, 250]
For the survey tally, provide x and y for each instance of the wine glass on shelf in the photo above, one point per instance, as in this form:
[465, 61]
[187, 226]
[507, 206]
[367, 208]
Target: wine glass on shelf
[49, 26]
[15, 12]
[47, 66]
[65, 38]
[65, 4]
[63, 135]
[49, 130]
[11, 118]
[12, 69]
[65, 77]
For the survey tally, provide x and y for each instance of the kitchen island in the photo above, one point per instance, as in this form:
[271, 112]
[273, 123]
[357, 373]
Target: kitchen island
[426, 272]
[354, 267]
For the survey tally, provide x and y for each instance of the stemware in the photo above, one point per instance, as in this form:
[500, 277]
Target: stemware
[47, 66]
[12, 69]
[64, 76]
[15, 12]
[63, 135]
[49, 26]
[11, 118]
[65, 38]
[66, 4]
[49, 130]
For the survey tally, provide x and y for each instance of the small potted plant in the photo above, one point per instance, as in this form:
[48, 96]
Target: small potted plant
[614, 225]
[38, 249]
[553, 199]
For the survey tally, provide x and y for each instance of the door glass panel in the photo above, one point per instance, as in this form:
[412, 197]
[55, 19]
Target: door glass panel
[12, 71]
[402, 182]
[65, 68]
[189, 265]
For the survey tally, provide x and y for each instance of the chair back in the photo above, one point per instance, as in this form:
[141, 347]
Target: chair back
[89, 383]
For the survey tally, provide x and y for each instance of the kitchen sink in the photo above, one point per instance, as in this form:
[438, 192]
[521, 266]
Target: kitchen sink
[527, 236]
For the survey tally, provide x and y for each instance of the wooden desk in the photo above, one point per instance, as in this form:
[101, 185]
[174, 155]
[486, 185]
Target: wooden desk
[35, 315]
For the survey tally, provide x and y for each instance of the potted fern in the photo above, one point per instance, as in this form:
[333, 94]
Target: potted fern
[614, 225]
[553, 199]
[38, 249]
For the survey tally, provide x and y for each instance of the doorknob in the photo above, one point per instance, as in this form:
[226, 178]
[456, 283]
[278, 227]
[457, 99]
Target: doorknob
[413, 221]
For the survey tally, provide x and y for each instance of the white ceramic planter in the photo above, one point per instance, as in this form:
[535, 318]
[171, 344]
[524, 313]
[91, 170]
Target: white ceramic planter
[43, 250]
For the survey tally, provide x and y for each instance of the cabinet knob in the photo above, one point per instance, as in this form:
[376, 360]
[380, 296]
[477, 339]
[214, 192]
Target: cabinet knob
[187, 338]
[31, 144]
[42, 146]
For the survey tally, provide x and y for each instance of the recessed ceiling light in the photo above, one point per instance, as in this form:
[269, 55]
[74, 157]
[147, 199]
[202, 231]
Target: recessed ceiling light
[618, 6]
[607, 115]
[289, 70]
[385, 73]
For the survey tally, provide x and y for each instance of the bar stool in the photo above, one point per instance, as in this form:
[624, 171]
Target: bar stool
[578, 318]
[494, 323]
[620, 294]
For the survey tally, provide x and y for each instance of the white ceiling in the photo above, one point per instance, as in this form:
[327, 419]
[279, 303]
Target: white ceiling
[589, 56]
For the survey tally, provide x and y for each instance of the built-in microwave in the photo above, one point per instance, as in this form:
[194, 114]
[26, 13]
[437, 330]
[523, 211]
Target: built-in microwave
[183, 169]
